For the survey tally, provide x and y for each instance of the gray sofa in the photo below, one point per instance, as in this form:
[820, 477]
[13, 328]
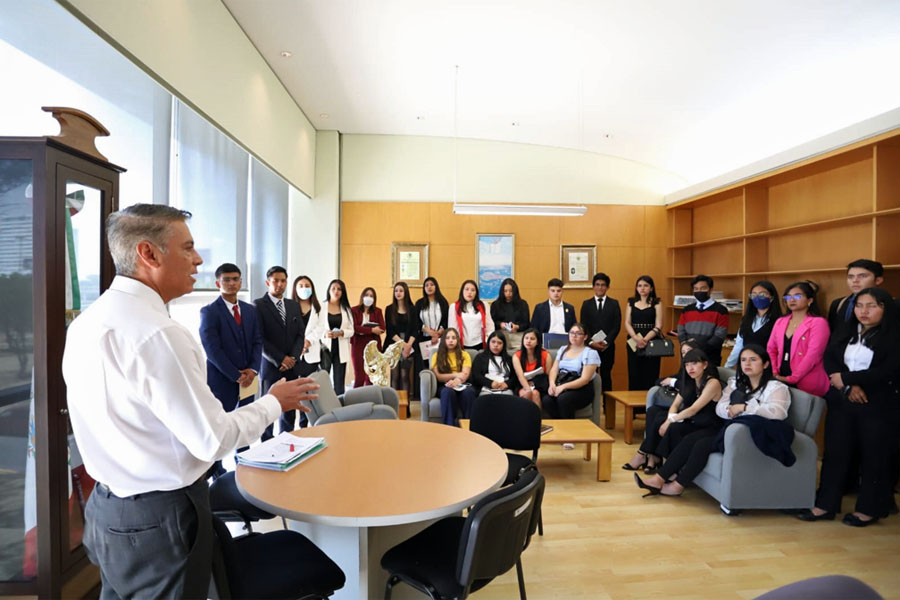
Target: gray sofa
[370, 402]
[431, 408]
[743, 477]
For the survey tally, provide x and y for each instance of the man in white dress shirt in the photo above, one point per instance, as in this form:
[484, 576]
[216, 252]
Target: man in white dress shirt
[147, 425]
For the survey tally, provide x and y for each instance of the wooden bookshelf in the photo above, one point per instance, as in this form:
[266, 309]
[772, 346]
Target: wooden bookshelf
[802, 221]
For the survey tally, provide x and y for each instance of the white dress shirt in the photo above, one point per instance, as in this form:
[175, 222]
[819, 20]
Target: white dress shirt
[142, 413]
[474, 331]
[557, 317]
[771, 402]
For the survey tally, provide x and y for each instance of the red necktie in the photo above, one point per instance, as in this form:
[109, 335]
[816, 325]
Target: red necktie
[237, 314]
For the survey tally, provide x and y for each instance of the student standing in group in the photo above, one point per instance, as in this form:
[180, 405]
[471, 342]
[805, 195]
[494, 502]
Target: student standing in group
[368, 325]
[798, 341]
[315, 326]
[433, 311]
[232, 340]
[863, 362]
[339, 321]
[509, 311]
[643, 322]
[554, 315]
[527, 360]
[861, 274]
[283, 339]
[452, 366]
[403, 327]
[759, 318]
[470, 316]
[602, 313]
[705, 320]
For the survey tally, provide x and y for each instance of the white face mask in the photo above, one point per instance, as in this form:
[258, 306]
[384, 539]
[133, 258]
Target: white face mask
[368, 300]
[304, 293]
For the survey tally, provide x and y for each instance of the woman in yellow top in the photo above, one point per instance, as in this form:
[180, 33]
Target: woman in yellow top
[451, 366]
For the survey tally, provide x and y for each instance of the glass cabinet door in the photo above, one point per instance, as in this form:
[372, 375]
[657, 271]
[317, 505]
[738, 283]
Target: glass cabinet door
[18, 489]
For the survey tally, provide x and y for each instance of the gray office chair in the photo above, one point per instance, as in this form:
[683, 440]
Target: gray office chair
[431, 408]
[327, 408]
[743, 477]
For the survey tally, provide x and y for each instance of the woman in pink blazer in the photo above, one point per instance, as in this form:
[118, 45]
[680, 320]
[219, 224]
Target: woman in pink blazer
[798, 341]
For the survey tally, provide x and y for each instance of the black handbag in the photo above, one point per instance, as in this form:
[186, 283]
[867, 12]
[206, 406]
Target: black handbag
[659, 347]
[325, 359]
[567, 376]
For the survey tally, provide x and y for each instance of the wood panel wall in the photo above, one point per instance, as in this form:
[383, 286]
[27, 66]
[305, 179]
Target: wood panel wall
[631, 241]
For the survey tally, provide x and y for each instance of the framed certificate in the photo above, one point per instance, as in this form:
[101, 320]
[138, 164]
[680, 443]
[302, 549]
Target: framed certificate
[577, 265]
[409, 263]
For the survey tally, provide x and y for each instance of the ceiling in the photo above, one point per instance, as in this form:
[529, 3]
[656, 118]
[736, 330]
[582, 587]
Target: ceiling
[694, 87]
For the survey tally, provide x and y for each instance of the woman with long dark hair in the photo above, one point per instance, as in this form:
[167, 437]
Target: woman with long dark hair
[403, 327]
[469, 315]
[509, 311]
[452, 366]
[527, 362]
[339, 331]
[643, 322]
[693, 409]
[798, 341]
[368, 325]
[433, 310]
[863, 363]
[753, 391]
[759, 317]
[492, 369]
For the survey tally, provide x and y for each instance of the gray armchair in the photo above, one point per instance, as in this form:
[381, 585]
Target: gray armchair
[370, 402]
[743, 477]
[431, 408]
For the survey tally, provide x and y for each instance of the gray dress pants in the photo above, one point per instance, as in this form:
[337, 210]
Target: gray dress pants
[154, 545]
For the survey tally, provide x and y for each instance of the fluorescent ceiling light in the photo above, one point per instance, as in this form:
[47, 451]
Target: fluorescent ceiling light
[535, 210]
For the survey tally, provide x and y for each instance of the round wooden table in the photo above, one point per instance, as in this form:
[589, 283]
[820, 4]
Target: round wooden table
[376, 484]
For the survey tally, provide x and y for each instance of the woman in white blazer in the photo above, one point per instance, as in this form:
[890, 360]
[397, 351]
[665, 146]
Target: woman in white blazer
[338, 331]
[304, 294]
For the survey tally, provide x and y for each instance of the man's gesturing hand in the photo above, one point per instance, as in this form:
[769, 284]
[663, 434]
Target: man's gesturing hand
[291, 393]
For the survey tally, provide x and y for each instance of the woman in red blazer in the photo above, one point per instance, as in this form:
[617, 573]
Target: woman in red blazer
[798, 341]
[364, 314]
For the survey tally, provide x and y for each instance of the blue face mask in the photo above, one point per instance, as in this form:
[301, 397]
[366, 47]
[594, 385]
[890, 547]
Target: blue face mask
[761, 302]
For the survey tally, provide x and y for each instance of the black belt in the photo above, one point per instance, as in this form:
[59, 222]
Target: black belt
[107, 493]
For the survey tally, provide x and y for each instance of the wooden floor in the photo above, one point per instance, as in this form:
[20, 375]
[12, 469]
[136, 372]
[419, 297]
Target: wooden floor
[602, 540]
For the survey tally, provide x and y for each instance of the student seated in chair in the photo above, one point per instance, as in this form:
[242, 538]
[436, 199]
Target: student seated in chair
[526, 361]
[492, 369]
[571, 375]
[452, 366]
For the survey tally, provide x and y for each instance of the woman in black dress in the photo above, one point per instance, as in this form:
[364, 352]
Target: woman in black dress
[643, 322]
[509, 311]
[402, 326]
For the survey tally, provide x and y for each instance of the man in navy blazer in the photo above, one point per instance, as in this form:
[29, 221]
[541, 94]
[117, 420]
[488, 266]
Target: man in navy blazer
[281, 321]
[231, 337]
[562, 317]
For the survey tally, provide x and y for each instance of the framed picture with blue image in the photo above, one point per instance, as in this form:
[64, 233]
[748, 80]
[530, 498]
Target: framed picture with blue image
[495, 260]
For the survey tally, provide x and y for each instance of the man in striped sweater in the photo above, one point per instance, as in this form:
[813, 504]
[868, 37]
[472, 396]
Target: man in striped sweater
[705, 320]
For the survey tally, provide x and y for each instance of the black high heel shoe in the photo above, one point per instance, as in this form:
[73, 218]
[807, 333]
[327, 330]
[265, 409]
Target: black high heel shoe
[651, 491]
[627, 466]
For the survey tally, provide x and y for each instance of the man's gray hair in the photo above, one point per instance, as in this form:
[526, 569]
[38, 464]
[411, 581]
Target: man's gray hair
[128, 227]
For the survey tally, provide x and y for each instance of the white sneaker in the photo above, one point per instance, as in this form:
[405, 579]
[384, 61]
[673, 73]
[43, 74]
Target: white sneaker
[568, 446]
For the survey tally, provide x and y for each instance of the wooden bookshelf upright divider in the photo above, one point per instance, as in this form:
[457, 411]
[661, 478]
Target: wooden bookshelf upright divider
[801, 221]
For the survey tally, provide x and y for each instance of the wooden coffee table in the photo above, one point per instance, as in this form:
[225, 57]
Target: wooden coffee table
[578, 431]
[630, 400]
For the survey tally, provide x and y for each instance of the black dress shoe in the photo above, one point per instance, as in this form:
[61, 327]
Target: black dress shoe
[651, 491]
[809, 515]
[854, 521]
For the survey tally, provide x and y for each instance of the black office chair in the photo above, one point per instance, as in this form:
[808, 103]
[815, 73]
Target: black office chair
[227, 503]
[279, 564]
[459, 555]
[512, 423]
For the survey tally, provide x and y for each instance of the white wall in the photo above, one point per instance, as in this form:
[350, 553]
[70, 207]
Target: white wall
[314, 223]
[200, 53]
[412, 168]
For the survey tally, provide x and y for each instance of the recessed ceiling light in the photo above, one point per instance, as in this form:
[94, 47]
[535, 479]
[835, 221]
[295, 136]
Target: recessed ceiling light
[420, 118]
[606, 136]
[515, 123]
[323, 115]
[286, 54]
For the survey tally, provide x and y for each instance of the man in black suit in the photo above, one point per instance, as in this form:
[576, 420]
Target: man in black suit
[554, 315]
[282, 332]
[603, 313]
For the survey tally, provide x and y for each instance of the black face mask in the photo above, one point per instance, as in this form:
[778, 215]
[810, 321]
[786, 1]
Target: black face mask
[701, 296]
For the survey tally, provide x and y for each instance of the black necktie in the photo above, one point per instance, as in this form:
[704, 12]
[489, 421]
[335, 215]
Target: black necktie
[851, 302]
